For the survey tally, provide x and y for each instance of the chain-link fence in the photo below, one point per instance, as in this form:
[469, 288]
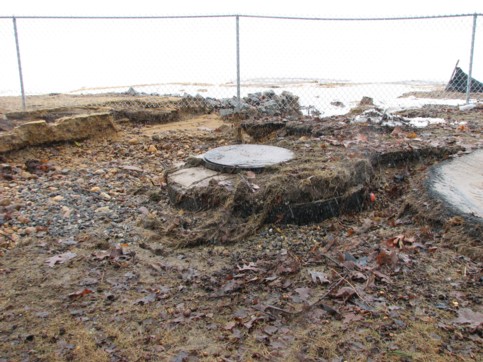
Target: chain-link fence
[238, 62]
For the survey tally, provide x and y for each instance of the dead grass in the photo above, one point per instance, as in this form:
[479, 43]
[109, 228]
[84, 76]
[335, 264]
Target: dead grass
[59, 339]
[316, 342]
[420, 341]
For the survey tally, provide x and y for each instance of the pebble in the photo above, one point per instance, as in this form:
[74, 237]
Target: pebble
[143, 210]
[66, 212]
[22, 219]
[103, 209]
[30, 230]
[133, 141]
[27, 175]
[105, 196]
[95, 189]
[13, 207]
[4, 202]
[57, 198]
[152, 149]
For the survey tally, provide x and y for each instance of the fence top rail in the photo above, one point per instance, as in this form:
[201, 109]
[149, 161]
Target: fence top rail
[244, 16]
[364, 19]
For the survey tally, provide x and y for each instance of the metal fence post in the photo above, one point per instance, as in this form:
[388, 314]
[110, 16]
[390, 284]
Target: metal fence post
[238, 62]
[19, 62]
[470, 70]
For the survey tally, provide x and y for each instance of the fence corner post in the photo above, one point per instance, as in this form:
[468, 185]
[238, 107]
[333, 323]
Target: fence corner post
[472, 49]
[238, 63]
[19, 62]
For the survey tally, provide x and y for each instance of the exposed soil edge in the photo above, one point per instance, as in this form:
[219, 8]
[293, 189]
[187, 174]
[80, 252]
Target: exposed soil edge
[428, 207]
[73, 128]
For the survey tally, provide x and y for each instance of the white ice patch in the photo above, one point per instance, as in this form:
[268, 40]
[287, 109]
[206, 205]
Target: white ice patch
[421, 122]
[467, 107]
[386, 119]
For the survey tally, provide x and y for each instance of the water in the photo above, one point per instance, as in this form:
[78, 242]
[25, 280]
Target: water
[460, 183]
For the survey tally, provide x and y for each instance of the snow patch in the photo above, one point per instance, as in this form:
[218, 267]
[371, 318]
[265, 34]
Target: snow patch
[387, 119]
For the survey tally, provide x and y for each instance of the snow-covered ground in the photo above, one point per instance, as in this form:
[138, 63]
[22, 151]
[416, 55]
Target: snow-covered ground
[330, 98]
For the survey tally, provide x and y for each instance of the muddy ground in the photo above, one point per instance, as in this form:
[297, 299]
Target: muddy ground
[96, 264]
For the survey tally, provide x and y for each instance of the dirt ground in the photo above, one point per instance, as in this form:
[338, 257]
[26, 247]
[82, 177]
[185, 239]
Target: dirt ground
[92, 267]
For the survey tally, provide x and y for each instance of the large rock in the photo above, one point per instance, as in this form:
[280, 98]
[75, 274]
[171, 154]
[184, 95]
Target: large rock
[70, 128]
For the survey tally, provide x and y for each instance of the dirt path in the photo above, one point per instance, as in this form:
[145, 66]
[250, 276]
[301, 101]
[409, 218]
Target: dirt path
[203, 123]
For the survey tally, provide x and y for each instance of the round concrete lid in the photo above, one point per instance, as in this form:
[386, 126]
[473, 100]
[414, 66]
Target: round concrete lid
[246, 157]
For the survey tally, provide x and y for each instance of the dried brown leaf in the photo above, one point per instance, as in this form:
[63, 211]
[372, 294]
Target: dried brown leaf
[304, 293]
[468, 317]
[352, 317]
[385, 258]
[60, 258]
[319, 277]
[230, 325]
[382, 276]
[345, 293]
[80, 293]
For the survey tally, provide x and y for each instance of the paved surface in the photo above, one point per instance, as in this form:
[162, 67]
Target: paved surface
[460, 183]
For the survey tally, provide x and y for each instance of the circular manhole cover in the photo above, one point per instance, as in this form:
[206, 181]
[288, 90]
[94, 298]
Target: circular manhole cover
[246, 157]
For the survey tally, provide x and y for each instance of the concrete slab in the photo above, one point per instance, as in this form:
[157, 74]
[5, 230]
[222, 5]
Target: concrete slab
[460, 183]
[195, 177]
[193, 188]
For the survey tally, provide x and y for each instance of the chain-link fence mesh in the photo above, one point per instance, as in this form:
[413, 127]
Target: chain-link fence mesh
[316, 66]
[332, 64]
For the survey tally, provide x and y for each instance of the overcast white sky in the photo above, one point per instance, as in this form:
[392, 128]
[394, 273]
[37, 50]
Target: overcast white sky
[339, 8]
[63, 55]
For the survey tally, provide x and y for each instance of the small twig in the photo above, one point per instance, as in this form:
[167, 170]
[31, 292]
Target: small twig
[282, 310]
[329, 245]
[331, 288]
[353, 287]
[334, 261]
[310, 306]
